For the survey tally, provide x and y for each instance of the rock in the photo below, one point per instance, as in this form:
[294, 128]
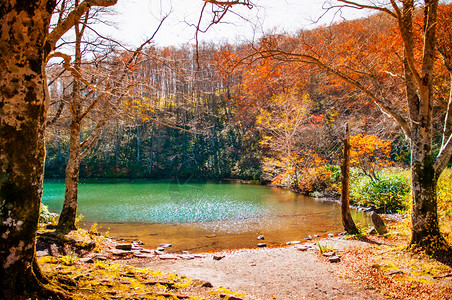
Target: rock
[42, 253]
[167, 256]
[343, 233]
[157, 252]
[293, 243]
[380, 226]
[334, 259]
[209, 236]
[260, 245]
[140, 243]
[301, 247]
[120, 252]
[308, 238]
[330, 235]
[185, 252]
[329, 254]
[165, 245]
[136, 247]
[143, 255]
[87, 260]
[261, 237]
[230, 297]
[395, 272]
[160, 249]
[100, 257]
[124, 247]
[207, 284]
[316, 235]
[218, 256]
[54, 251]
[146, 251]
[186, 256]
[371, 231]
[199, 255]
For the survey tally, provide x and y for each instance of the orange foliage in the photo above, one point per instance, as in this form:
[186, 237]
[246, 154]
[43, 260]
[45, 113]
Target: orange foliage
[368, 152]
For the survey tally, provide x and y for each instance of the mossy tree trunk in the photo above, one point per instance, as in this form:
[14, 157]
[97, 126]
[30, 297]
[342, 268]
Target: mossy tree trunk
[25, 43]
[23, 30]
[347, 221]
[68, 215]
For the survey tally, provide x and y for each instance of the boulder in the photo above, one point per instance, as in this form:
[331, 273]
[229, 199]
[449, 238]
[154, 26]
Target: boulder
[260, 245]
[380, 226]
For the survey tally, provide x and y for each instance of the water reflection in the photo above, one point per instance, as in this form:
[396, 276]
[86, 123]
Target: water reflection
[200, 217]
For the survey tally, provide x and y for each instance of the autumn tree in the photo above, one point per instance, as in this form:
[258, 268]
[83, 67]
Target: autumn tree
[370, 153]
[281, 123]
[370, 64]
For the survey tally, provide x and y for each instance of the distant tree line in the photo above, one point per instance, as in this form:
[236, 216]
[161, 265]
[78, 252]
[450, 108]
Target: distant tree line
[176, 120]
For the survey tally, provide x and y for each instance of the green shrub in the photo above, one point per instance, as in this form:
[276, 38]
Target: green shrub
[390, 192]
[444, 191]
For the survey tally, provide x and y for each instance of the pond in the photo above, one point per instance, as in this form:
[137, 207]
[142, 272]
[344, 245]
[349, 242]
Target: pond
[199, 216]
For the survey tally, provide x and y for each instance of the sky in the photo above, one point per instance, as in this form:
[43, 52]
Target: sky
[136, 20]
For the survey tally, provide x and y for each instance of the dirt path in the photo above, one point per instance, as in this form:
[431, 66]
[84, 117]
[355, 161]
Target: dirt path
[277, 273]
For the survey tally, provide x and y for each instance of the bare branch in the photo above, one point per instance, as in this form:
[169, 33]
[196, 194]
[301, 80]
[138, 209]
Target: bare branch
[384, 107]
[72, 19]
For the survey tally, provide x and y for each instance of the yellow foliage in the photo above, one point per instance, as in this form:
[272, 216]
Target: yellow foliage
[369, 153]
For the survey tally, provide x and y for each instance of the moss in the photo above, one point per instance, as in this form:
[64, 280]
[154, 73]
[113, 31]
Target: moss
[104, 280]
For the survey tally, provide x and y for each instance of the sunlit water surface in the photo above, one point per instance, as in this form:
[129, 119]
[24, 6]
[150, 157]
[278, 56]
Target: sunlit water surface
[199, 216]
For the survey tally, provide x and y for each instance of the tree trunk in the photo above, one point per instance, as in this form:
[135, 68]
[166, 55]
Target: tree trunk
[347, 221]
[68, 215]
[23, 30]
[425, 227]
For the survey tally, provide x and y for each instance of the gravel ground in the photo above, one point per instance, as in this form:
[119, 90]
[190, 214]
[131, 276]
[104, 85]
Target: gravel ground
[268, 273]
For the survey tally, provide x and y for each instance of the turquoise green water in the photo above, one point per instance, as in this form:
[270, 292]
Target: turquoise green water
[199, 216]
